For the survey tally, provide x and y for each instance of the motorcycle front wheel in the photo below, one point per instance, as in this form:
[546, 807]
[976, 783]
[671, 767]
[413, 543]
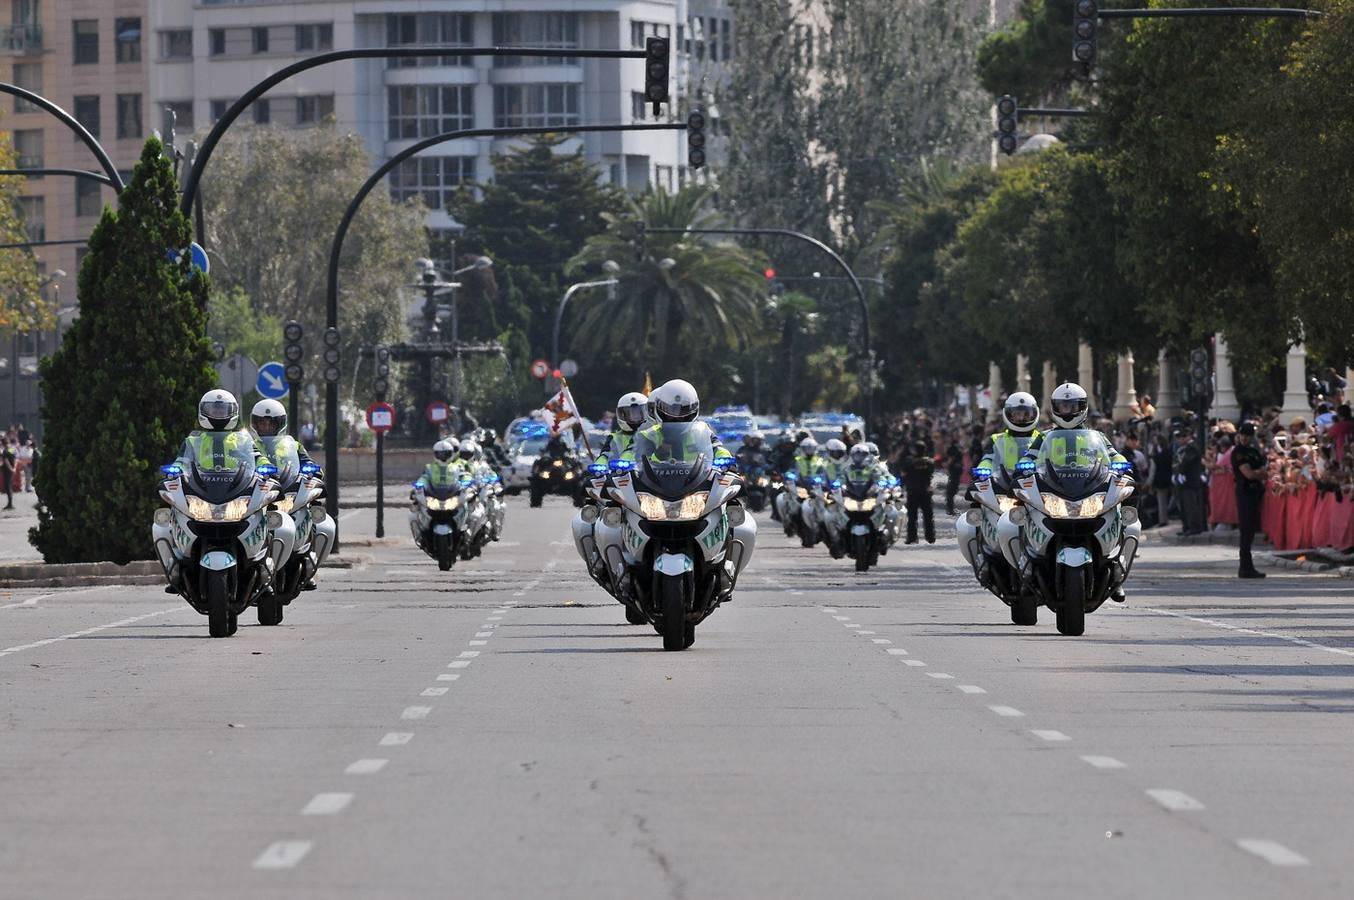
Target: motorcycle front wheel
[445, 557]
[1072, 608]
[677, 634]
[217, 594]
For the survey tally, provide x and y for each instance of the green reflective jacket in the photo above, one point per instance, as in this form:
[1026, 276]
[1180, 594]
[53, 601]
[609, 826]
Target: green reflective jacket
[1006, 449]
[221, 450]
[654, 435]
[442, 474]
[618, 443]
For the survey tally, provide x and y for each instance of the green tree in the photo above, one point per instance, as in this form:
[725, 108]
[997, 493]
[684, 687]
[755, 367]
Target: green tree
[241, 327]
[22, 304]
[687, 295]
[121, 393]
[1031, 57]
[835, 385]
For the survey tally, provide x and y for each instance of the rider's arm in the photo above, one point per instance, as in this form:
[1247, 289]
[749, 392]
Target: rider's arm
[989, 460]
[1032, 451]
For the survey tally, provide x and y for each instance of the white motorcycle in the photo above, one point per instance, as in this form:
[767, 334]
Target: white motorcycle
[1071, 540]
[823, 515]
[788, 503]
[993, 491]
[300, 492]
[446, 520]
[678, 539]
[495, 507]
[865, 505]
[220, 546]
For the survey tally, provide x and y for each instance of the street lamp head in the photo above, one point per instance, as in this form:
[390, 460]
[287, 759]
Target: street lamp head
[667, 263]
[484, 262]
[611, 267]
[58, 273]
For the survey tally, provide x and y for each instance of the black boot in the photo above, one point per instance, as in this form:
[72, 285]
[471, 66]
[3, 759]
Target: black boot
[1251, 572]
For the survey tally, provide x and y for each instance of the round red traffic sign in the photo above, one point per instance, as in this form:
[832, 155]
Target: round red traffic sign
[437, 412]
[381, 417]
[540, 368]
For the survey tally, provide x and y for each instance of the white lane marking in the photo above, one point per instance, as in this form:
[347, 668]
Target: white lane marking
[78, 634]
[827, 609]
[796, 593]
[458, 664]
[842, 618]
[867, 632]
[327, 804]
[449, 676]
[31, 601]
[434, 692]
[880, 641]
[1103, 762]
[970, 689]
[416, 712]
[913, 662]
[530, 585]
[366, 767]
[484, 634]
[1049, 735]
[397, 738]
[1009, 712]
[895, 651]
[349, 514]
[1269, 634]
[514, 602]
[477, 644]
[1273, 852]
[943, 676]
[1175, 800]
[469, 654]
[283, 855]
[495, 619]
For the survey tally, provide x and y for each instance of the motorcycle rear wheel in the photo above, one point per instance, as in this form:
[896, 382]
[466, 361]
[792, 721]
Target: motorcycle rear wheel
[270, 610]
[1072, 609]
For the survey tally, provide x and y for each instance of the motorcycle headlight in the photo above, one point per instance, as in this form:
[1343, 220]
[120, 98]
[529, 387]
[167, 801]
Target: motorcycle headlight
[559, 464]
[1005, 504]
[568, 476]
[233, 511]
[1056, 506]
[687, 509]
[447, 505]
[865, 505]
[545, 474]
[286, 503]
[1091, 507]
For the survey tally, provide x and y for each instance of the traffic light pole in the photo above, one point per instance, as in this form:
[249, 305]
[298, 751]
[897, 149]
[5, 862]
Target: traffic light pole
[866, 357]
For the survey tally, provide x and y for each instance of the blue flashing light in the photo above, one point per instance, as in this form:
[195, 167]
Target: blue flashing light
[173, 470]
[492, 478]
[267, 471]
[818, 479]
[417, 484]
[982, 473]
[836, 483]
[622, 465]
[894, 482]
[1121, 466]
[724, 462]
[309, 468]
[1026, 467]
[883, 482]
[791, 476]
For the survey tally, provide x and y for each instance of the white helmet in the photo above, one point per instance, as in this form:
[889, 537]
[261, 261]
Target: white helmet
[268, 419]
[808, 447]
[836, 449]
[872, 447]
[444, 450]
[218, 410]
[1021, 412]
[632, 410]
[1068, 406]
[860, 455]
[676, 401]
[470, 451]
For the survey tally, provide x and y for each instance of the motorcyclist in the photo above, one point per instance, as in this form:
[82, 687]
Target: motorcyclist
[751, 456]
[268, 423]
[675, 402]
[219, 443]
[446, 467]
[863, 465]
[806, 461]
[783, 452]
[557, 448]
[833, 462]
[632, 411]
[1005, 448]
[494, 454]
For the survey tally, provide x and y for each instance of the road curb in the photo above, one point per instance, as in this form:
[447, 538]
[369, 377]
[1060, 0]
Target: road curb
[1306, 565]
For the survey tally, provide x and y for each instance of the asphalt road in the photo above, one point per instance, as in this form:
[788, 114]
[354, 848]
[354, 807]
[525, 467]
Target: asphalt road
[498, 731]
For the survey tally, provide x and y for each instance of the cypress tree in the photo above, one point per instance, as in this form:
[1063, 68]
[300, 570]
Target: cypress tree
[121, 392]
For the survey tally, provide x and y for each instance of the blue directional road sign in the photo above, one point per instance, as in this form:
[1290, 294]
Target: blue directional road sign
[272, 381]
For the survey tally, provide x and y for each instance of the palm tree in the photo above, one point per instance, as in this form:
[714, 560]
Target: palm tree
[685, 292]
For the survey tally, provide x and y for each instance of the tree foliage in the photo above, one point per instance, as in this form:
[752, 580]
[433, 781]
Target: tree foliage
[1030, 58]
[121, 392]
[22, 304]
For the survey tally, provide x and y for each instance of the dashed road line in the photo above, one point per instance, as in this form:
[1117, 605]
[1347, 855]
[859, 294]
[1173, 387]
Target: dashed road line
[941, 676]
[842, 618]
[880, 641]
[1047, 734]
[827, 609]
[1008, 712]
[1273, 852]
[913, 662]
[283, 855]
[1301, 642]
[1176, 801]
[895, 651]
[478, 643]
[469, 654]
[458, 664]
[366, 767]
[484, 634]
[79, 634]
[327, 804]
[867, 632]
[970, 689]
[397, 739]
[1103, 762]
[434, 692]
[416, 712]
[449, 676]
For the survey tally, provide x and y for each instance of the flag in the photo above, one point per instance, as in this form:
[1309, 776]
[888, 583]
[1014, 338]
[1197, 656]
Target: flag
[560, 411]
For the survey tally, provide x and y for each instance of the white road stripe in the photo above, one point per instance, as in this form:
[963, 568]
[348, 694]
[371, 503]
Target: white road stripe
[880, 641]
[478, 643]
[283, 855]
[970, 689]
[913, 662]
[895, 651]
[842, 618]
[484, 634]
[495, 619]
[940, 675]
[867, 632]
[1103, 762]
[827, 609]
[1272, 852]
[434, 692]
[1049, 735]
[78, 634]
[416, 712]
[33, 601]
[449, 676]
[1177, 801]
[1009, 712]
[397, 739]
[327, 804]
[366, 767]
[348, 515]
[469, 654]
[458, 664]
[1269, 634]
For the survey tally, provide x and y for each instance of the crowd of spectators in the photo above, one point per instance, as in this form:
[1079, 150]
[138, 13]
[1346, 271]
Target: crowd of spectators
[19, 457]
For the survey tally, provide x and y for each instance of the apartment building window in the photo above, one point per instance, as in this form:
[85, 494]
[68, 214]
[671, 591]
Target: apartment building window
[87, 109]
[86, 39]
[640, 32]
[315, 37]
[216, 41]
[127, 40]
[263, 111]
[639, 105]
[129, 116]
[726, 39]
[34, 211]
[183, 114]
[260, 40]
[219, 108]
[28, 148]
[535, 105]
[435, 179]
[544, 29]
[663, 177]
[88, 197]
[424, 29]
[310, 110]
[424, 110]
[29, 77]
[176, 44]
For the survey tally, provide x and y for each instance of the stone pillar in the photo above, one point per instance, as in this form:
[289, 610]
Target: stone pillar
[1085, 368]
[1167, 401]
[1225, 404]
[994, 388]
[1049, 379]
[1125, 396]
[1023, 372]
[1295, 391]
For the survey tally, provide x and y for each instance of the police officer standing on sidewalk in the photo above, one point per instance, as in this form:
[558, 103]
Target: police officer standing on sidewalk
[1248, 465]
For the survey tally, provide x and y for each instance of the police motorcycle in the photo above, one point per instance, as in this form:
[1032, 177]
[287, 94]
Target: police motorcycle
[489, 496]
[863, 498]
[790, 501]
[556, 472]
[1071, 539]
[446, 518]
[220, 545]
[756, 486]
[993, 493]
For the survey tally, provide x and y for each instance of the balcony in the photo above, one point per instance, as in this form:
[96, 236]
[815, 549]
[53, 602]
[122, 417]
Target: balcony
[20, 38]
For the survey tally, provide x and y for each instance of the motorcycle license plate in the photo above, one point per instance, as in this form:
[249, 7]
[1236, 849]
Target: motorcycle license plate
[673, 564]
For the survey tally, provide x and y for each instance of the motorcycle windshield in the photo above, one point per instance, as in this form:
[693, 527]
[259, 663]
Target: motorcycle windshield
[858, 488]
[220, 485]
[288, 463]
[442, 491]
[673, 457]
[1074, 464]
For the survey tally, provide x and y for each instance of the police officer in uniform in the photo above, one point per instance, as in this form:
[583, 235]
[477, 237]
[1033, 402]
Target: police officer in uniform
[1248, 465]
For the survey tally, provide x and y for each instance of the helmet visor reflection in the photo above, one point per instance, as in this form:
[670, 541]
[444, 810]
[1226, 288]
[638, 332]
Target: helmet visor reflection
[1069, 408]
[631, 415]
[219, 409]
[267, 426]
[1022, 415]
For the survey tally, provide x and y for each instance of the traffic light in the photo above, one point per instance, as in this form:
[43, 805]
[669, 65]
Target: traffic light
[382, 381]
[293, 352]
[695, 139]
[656, 72]
[1199, 375]
[1008, 121]
[776, 285]
[1084, 15]
[331, 355]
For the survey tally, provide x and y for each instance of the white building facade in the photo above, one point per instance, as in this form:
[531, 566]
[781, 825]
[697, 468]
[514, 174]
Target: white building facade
[207, 53]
